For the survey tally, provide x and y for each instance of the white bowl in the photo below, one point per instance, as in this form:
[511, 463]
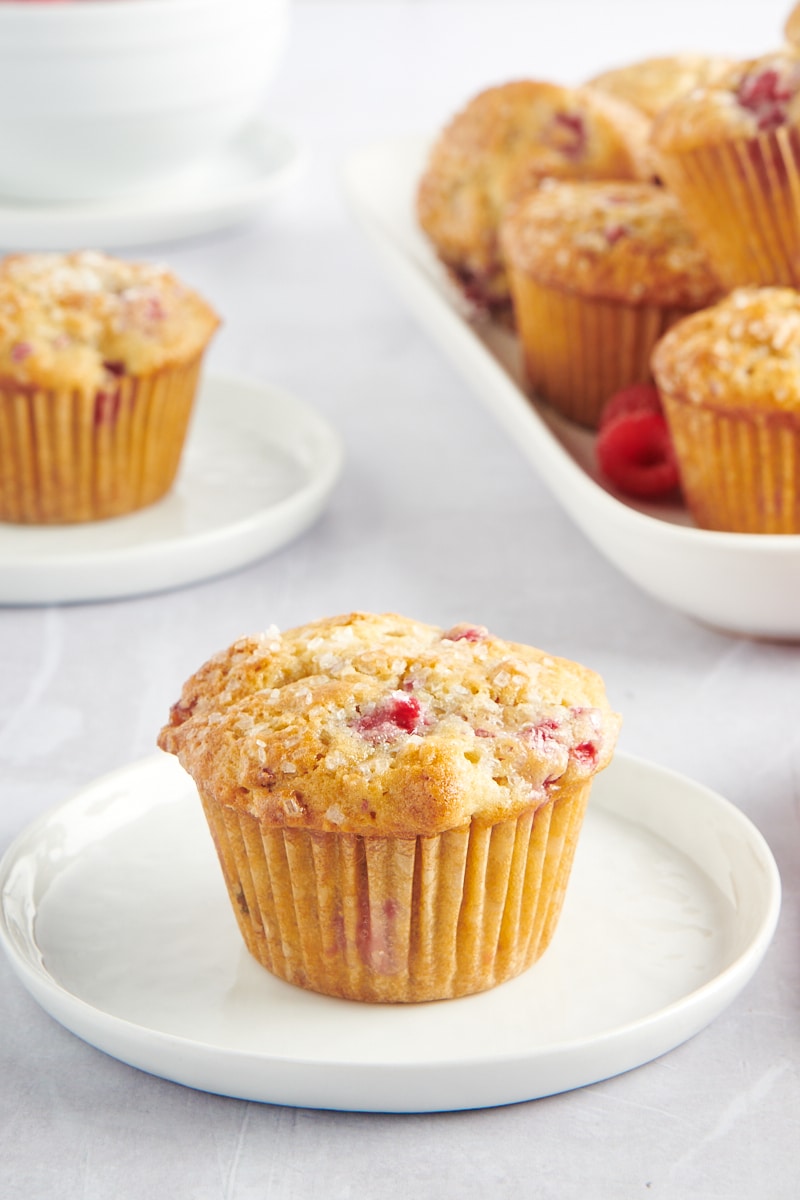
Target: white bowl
[101, 99]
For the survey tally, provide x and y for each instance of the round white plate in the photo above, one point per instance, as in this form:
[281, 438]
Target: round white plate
[742, 583]
[257, 470]
[227, 188]
[115, 917]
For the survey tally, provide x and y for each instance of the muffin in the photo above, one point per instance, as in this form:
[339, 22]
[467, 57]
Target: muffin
[731, 153]
[395, 806]
[654, 83]
[501, 146]
[598, 272]
[730, 385]
[791, 27]
[99, 362]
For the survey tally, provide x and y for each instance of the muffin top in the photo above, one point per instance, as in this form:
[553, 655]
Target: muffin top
[73, 321]
[386, 726]
[743, 353]
[754, 97]
[614, 241]
[501, 145]
[654, 83]
[791, 27]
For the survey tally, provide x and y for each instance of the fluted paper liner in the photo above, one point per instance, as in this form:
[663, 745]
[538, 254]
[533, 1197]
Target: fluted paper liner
[740, 471]
[579, 351]
[394, 919]
[70, 456]
[742, 198]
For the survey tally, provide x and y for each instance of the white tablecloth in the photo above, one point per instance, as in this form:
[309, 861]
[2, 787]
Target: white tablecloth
[438, 516]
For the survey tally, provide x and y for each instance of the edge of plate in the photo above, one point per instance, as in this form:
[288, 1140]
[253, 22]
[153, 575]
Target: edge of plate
[41, 581]
[409, 1087]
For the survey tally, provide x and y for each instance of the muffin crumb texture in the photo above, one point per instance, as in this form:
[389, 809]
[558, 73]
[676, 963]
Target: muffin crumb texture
[741, 353]
[79, 321]
[379, 724]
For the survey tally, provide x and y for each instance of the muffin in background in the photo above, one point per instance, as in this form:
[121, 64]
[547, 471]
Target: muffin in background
[99, 363]
[731, 153]
[652, 84]
[598, 272]
[730, 386]
[395, 806]
[499, 147]
[791, 28]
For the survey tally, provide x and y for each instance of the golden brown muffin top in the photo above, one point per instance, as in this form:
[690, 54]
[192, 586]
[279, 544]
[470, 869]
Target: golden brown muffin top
[74, 321]
[743, 353]
[654, 83]
[754, 97]
[613, 241]
[791, 27]
[502, 144]
[383, 725]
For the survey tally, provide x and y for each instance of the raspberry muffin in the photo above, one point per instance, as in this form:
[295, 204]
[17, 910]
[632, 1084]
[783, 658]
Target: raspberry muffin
[731, 153]
[791, 27]
[598, 272]
[395, 806]
[654, 83]
[99, 361]
[730, 385]
[501, 146]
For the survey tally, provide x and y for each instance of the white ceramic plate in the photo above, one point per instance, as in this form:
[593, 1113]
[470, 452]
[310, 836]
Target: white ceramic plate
[742, 583]
[229, 187]
[257, 470]
[115, 918]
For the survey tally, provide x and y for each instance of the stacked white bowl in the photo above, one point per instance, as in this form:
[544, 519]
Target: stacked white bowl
[106, 98]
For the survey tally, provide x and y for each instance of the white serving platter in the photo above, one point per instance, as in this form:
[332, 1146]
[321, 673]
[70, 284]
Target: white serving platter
[257, 470]
[740, 583]
[115, 918]
[232, 185]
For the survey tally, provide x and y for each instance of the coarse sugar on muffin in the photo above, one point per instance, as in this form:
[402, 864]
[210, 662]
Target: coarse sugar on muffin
[500, 146]
[731, 153]
[652, 84]
[99, 361]
[729, 379]
[598, 272]
[395, 806]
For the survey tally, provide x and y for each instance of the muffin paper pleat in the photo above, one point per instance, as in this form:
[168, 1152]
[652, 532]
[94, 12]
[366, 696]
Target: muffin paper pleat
[740, 471]
[579, 351]
[742, 199]
[80, 456]
[393, 919]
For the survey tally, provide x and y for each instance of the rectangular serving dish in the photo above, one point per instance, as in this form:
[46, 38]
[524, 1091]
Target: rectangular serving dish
[740, 583]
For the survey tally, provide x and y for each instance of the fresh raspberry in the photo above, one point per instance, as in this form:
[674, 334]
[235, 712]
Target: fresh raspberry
[396, 714]
[639, 397]
[635, 453]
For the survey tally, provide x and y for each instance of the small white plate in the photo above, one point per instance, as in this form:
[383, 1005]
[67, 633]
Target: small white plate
[741, 583]
[115, 917]
[256, 471]
[229, 187]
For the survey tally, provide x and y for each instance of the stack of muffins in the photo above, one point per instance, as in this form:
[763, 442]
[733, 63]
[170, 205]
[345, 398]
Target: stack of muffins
[660, 241]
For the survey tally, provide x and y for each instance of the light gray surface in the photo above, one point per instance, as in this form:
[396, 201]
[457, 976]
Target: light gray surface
[437, 516]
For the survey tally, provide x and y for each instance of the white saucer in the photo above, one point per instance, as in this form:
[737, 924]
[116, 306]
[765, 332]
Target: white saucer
[232, 185]
[115, 917]
[742, 583]
[257, 470]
